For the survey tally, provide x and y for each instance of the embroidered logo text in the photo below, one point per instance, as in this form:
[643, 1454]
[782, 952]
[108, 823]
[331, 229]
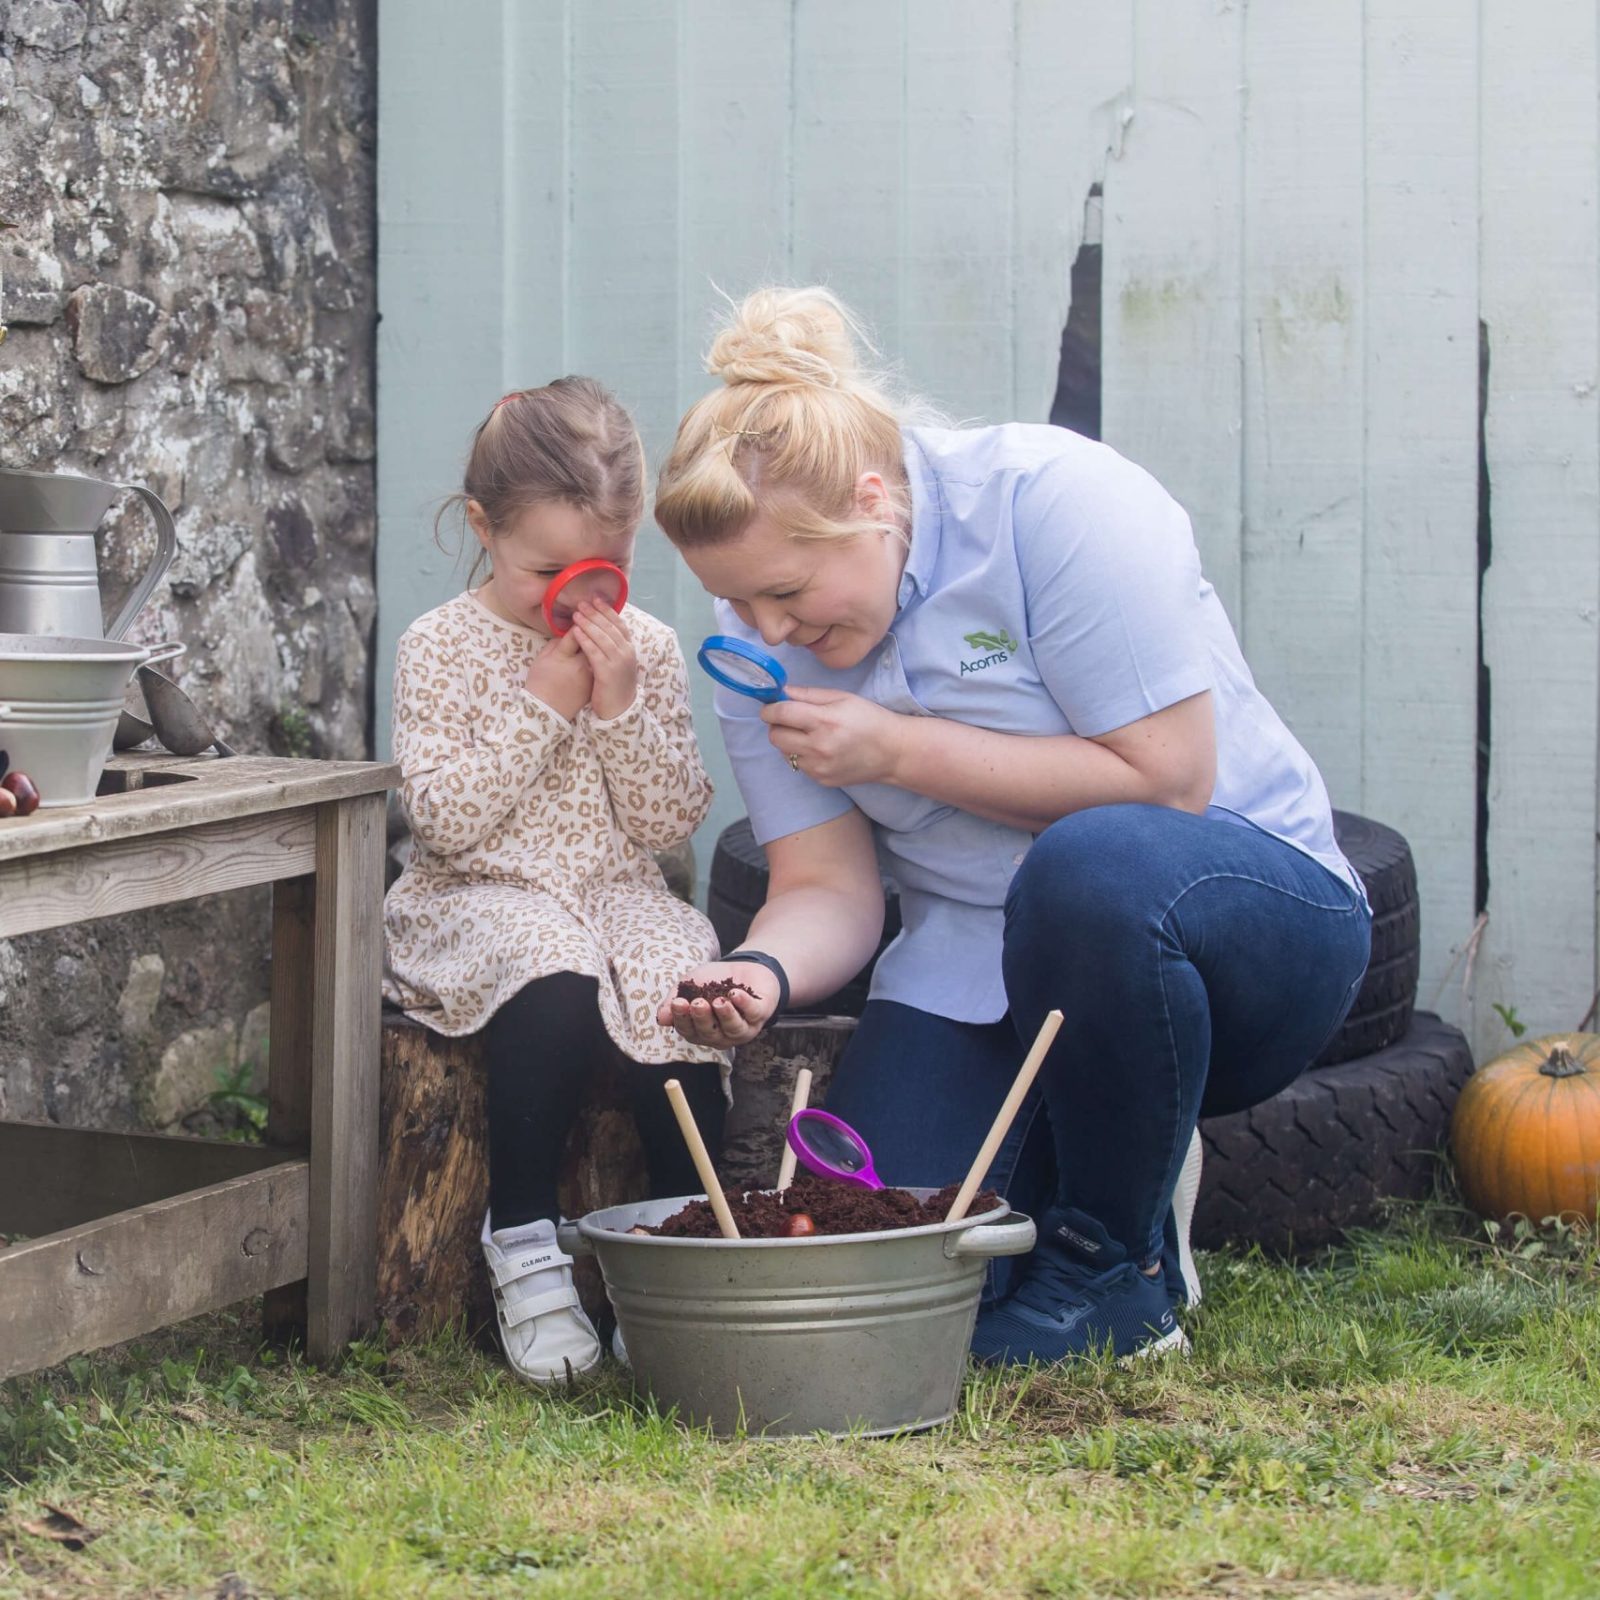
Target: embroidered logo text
[999, 648]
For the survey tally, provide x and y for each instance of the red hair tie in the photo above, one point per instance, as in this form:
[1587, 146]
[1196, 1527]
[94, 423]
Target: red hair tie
[502, 400]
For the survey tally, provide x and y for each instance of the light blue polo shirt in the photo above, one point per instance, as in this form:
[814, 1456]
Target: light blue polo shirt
[1051, 587]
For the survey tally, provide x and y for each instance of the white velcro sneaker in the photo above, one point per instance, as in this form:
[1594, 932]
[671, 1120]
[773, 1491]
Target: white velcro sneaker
[548, 1338]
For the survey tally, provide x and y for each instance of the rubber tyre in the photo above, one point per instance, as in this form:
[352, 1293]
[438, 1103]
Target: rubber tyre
[1294, 1173]
[737, 889]
[1382, 1009]
[1382, 857]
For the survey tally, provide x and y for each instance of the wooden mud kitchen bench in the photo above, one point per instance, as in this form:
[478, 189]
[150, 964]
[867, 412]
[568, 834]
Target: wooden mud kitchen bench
[127, 1232]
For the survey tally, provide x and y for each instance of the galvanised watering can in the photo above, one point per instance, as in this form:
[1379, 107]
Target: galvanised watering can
[49, 577]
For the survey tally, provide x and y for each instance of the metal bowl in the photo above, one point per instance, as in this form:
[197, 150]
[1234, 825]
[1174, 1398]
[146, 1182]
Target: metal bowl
[836, 1333]
[60, 698]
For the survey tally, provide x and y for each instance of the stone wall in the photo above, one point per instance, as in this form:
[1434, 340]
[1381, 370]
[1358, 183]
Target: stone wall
[187, 193]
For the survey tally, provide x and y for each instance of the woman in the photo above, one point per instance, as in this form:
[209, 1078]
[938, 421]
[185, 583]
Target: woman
[1011, 687]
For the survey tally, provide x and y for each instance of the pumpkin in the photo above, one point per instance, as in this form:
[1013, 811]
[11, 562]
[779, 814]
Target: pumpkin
[1526, 1131]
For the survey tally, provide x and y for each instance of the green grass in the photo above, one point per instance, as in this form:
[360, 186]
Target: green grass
[1417, 1415]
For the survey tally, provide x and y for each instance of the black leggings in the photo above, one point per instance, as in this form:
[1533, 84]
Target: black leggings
[546, 1045]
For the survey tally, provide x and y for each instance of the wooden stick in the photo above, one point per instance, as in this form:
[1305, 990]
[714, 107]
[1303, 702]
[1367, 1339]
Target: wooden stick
[1005, 1116]
[802, 1093]
[702, 1159]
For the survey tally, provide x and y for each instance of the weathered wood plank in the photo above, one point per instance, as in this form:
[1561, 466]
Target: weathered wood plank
[1419, 669]
[734, 121]
[734, 130]
[625, 178]
[129, 874]
[139, 1270]
[443, 266]
[849, 156]
[1172, 392]
[218, 791]
[1303, 364]
[958, 264]
[347, 957]
[283, 1315]
[1074, 80]
[1541, 608]
[625, 151]
[53, 1178]
[536, 194]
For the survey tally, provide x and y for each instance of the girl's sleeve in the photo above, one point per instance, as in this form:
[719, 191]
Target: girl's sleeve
[654, 774]
[456, 789]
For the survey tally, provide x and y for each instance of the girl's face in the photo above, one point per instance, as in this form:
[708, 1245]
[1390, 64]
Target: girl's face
[836, 598]
[539, 542]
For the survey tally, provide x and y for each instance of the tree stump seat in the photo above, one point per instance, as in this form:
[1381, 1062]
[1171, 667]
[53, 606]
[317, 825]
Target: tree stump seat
[433, 1178]
[433, 1171]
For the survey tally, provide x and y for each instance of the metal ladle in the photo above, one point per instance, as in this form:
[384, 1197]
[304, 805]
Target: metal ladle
[133, 729]
[179, 723]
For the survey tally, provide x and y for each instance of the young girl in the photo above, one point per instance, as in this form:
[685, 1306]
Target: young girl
[539, 773]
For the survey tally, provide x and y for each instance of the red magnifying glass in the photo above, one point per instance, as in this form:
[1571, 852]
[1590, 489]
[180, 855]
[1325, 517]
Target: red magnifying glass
[594, 579]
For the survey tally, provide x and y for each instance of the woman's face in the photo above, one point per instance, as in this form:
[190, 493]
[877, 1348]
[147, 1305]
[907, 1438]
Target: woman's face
[539, 542]
[836, 598]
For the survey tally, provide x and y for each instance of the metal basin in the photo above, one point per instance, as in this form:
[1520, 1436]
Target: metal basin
[59, 703]
[846, 1333]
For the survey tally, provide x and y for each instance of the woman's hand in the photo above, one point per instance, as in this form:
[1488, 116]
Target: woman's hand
[561, 677]
[607, 646]
[724, 1023]
[837, 738]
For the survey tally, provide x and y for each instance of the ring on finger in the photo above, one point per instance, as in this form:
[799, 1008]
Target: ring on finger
[794, 761]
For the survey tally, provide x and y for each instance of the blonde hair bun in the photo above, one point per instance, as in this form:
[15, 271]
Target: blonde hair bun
[789, 336]
[790, 430]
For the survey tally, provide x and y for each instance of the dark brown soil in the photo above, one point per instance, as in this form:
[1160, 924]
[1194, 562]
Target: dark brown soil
[718, 989]
[833, 1207]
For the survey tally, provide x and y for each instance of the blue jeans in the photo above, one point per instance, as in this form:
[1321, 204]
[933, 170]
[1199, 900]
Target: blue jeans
[1199, 965]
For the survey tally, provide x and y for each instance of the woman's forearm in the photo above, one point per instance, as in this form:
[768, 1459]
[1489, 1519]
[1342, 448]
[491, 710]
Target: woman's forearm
[822, 920]
[823, 937]
[1028, 781]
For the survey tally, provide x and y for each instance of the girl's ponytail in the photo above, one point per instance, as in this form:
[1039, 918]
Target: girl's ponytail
[570, 441]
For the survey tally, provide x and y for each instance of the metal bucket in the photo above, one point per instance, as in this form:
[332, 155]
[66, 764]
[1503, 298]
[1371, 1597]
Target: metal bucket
[59, 703]
[843, 1333]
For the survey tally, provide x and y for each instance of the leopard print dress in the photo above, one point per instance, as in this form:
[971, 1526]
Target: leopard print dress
[533, 835]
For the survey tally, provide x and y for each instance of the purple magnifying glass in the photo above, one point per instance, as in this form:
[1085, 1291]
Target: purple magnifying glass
[832, 1149]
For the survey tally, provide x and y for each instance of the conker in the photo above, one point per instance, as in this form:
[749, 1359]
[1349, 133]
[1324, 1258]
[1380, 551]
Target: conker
[800, 1226]
[8, 803]
[25, 790]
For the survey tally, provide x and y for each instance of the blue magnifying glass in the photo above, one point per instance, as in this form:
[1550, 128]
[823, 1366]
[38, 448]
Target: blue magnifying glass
[743, 668]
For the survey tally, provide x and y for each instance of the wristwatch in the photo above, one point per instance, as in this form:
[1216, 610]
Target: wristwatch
[773, 965]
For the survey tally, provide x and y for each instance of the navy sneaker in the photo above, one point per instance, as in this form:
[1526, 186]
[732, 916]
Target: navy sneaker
[1079, 1295]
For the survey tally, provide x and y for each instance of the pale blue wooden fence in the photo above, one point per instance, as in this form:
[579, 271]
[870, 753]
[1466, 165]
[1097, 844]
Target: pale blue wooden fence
[1308, 209]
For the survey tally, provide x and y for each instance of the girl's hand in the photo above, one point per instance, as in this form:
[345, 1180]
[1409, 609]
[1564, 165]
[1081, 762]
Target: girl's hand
[607, 646]
[837, 738]
[560, 676]
[724, 1023]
